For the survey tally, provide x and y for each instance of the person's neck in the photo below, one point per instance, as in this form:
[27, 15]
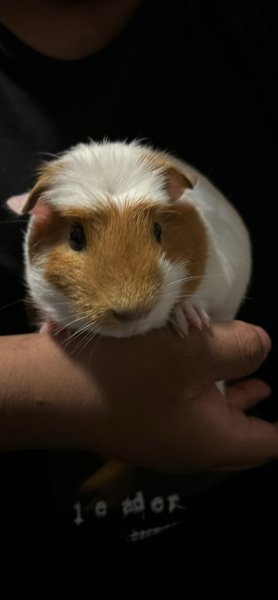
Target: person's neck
[66, 29]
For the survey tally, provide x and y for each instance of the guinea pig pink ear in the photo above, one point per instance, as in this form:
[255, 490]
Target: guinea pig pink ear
[176, 182]
[17, 203]
[23, 204]
[42, 211]
[36, 202]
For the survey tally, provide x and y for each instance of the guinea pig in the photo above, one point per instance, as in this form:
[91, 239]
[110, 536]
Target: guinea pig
[123, 239]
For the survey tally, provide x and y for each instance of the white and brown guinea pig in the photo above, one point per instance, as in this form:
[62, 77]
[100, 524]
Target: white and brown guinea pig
[123, 238]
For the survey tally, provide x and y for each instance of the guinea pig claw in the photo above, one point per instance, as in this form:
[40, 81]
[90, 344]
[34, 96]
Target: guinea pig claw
[196, 315]
[203, 315]
[192, 314]
[187, 314]
[206, 320]
[180, 321]
[178, 330]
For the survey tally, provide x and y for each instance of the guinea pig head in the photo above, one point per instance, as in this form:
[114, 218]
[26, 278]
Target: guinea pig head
[116, 267]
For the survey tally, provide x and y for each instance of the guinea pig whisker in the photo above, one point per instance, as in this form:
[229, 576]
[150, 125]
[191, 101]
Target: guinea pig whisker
[187, 280]
[10, 304]
[77, 344]
[88, 340]
[71, 341]
[70, 323]
[210, 276]
[97, 342]
[182, 280]
[81, 328]
[77, 320]
[49, 154]
[193, 278]
[65, 327]
[88, 336]
[75, 333]
[80, 331]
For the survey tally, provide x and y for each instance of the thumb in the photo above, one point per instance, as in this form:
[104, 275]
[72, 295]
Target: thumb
[232, 350]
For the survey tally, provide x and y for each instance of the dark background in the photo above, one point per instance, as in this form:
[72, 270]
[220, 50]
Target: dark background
[198, 79]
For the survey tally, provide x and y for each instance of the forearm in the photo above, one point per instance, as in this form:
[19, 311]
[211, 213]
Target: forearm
[43, 394]
[54, 394]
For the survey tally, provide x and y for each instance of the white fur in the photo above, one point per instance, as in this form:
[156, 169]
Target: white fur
[52, 303]
[94, 172]
[228, 267]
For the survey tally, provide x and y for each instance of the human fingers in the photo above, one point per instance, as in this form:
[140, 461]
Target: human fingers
[247, 393]
[228, 350]
[249, 441]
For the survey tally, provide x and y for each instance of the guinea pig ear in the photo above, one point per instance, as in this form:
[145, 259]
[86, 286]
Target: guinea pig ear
[36, 203]
[20, 206]
[176, 182]
[17, 203]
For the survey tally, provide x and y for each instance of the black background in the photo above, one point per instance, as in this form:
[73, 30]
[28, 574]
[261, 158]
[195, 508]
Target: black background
[200, 80]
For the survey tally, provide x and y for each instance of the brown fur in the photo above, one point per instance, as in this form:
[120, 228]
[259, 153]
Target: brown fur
[119, 268]
[185, 241]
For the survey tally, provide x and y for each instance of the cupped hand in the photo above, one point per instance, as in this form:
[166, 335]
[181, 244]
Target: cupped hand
[148, 400]
[155, 402]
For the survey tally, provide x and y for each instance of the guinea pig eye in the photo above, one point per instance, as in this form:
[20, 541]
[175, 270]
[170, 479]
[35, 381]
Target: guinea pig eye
[157, 232]
[77, 240]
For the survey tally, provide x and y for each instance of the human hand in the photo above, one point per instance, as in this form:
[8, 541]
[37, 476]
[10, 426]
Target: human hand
[148, 400]
[159, 406]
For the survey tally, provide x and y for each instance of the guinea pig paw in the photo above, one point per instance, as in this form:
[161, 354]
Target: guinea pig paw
[49, 327]
[196, 315]
[187, 314]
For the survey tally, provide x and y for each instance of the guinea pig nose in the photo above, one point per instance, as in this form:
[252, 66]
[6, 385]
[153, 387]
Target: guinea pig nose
[129, 315]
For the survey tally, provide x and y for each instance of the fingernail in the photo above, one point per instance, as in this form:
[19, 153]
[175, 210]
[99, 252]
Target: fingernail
[265, 339]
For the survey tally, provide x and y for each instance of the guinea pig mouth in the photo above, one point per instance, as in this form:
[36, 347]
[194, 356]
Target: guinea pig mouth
[125, 324]
[130, 316]
[125, 329]
[128, 323]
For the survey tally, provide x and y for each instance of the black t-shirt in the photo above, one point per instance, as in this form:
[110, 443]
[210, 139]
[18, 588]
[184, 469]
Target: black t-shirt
[198, 79]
